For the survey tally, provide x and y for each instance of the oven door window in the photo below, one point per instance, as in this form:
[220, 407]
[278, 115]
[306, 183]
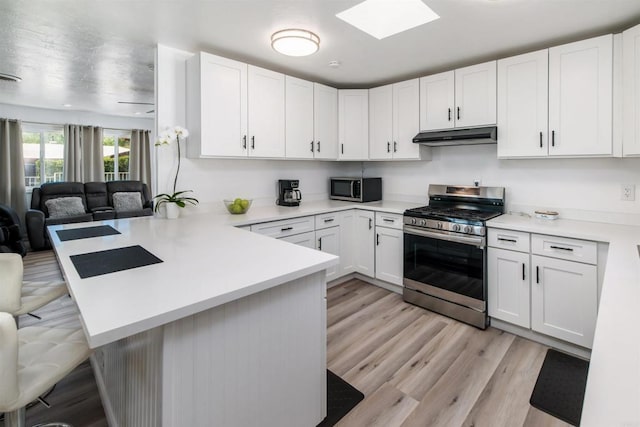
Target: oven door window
[452, 266]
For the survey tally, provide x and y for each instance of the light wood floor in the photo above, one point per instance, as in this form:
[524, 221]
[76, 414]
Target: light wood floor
[416, 368]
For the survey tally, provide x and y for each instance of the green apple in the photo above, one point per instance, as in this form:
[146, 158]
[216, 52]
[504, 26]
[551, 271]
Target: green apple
[244, 203]
[237, 201]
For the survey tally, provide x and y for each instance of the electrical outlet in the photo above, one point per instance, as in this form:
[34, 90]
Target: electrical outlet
[477, 182]
[628, 192]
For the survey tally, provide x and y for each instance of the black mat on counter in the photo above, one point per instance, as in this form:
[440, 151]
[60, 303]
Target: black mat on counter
[112, 260]
[559, 390]
[341, 398]
[86, 232]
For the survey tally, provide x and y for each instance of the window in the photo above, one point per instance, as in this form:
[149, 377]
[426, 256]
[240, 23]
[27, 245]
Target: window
[43, 151]
[116, 145]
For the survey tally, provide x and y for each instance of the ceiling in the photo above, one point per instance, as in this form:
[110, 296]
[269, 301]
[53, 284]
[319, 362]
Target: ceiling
[93, 53]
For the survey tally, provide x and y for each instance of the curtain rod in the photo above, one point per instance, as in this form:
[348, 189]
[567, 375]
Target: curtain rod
[62, 124]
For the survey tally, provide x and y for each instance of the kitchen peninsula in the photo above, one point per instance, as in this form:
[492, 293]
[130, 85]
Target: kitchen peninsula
[229, 329]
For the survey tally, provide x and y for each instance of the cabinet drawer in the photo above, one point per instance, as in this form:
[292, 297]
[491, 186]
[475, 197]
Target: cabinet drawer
[508, 239]
[308, 240]
[389, 220]
[327, 220]
[563, 248]
[285, 227]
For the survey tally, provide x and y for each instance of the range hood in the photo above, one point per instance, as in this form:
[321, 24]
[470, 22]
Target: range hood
[481, 135]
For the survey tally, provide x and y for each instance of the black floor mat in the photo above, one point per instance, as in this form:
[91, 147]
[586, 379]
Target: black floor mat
[341, 398]
[86, 232]
[559, 390]
[112, 260]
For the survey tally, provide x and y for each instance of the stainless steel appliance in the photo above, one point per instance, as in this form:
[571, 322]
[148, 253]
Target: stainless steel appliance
[468, 136]
[444, 251]
[288, 192]
[356, 189]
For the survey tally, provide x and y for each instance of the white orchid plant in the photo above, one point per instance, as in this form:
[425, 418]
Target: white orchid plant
[168, 137]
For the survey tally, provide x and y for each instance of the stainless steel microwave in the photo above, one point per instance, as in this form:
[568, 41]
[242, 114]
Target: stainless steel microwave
[356, 189]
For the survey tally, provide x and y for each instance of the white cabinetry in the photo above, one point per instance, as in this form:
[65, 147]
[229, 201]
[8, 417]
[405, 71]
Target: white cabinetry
[557, 102]
[394, 119]
[308, 239]
[580, 97]
[328, 240]
[546, 283]
[299, 142]
[216, 107]
[266, 113]
[353, 124]
[631, 91]
[325, 121]
[364, 242]
[348, 241]
[389, 248]
[465, 97]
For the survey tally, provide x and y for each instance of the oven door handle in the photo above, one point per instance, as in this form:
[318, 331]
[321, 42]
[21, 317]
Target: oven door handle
[467, 240]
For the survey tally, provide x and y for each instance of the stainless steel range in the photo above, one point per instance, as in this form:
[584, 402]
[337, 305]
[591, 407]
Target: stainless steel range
[444, 251]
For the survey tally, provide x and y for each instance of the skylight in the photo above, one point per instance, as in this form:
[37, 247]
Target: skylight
[384, 18]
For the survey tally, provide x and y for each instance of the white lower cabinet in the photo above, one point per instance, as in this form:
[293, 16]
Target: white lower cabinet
[308, 240]
[509, 281]
[328, 240]
[364, 242]
[548, 284]
[389, 248]
[348, 242]
[564, 299]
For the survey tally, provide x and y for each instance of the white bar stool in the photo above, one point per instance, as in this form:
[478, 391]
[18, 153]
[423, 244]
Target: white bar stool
[32, 360]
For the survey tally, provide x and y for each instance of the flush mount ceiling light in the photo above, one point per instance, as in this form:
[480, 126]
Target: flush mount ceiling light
[384, 18]
[9, 78]
[294, 42]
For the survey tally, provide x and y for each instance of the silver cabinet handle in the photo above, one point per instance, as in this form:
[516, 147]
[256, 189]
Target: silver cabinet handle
[388, 220]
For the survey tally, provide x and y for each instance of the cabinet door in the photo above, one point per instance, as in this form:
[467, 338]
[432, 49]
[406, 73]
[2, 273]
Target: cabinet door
[437, 99]
[353, 124]
[325, 112]
[564, 299]
[308, 240]
[348, 242]
[406, 119]
[364, 239]
[580, 97]
[381, 122]
[476, 95]
[299, 142]
[328, 240]
[266, 113]
[508, 287]
[216, 106]
[523, 105]
[631, 91]
[389, 251]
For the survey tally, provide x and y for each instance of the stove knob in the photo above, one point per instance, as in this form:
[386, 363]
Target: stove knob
[468, 229]
[456, 227]
[413, 221]
[423, 222]
[439, 226]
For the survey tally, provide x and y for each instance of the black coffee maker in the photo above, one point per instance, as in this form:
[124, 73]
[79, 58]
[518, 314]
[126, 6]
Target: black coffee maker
[288, 193]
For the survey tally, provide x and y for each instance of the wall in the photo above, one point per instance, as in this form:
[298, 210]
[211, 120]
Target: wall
[577, 188]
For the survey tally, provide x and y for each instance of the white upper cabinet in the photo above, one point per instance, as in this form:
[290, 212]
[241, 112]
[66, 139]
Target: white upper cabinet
[216, 107]
[381, 122]
[523, 105]
[437, 101]
[353, 124]
[631, 91]
[476, 95]
[266, 113]
[394, 120]
[581, 97]
[325, 121]
[465, 97]
[299, 118]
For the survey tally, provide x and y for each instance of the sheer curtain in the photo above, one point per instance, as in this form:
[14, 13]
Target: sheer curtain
[140, 156]
[83, 155]
[12, 191]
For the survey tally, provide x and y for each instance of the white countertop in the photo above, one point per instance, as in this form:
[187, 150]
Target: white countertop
[612, 396]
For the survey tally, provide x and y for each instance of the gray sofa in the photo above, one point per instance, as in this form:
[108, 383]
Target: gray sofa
[84, 202]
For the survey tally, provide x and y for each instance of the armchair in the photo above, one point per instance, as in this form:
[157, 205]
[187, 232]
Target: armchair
[10, 231]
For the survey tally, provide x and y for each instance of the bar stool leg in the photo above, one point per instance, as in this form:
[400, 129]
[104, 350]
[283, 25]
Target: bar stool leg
[15, 418]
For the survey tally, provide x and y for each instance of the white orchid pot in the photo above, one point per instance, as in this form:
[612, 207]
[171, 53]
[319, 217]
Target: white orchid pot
[172, 210]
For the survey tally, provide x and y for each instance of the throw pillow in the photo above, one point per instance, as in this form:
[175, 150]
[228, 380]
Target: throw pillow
[127, 201]
[62, 207]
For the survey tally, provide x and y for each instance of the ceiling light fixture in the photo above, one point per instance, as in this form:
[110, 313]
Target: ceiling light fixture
[295, 42]
[384, 18]
[9, 78]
